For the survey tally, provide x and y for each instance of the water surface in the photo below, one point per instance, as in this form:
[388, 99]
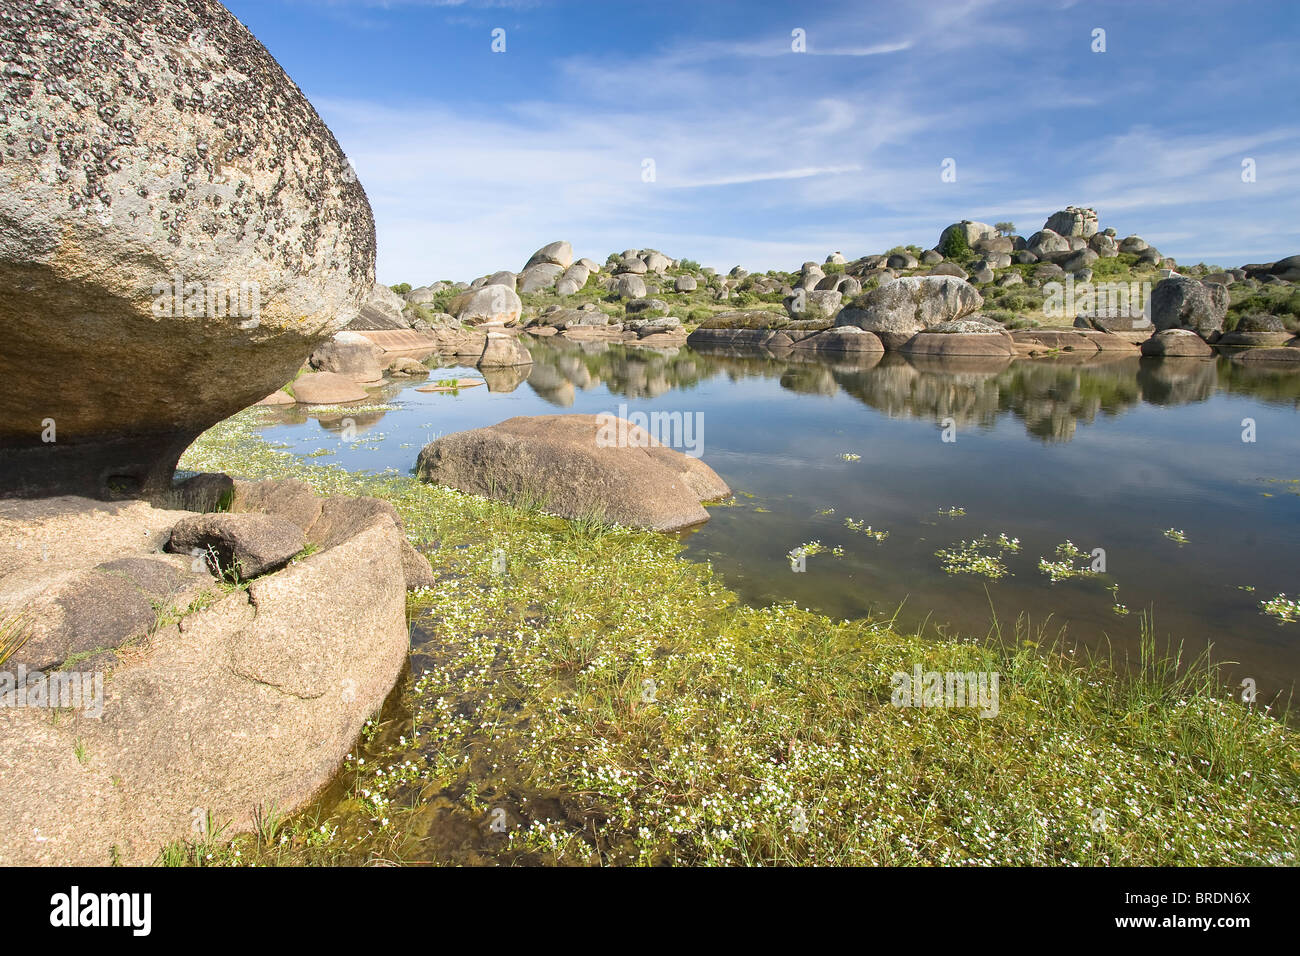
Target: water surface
[1109, 453]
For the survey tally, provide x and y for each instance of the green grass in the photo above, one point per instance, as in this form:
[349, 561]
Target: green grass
[618, 705]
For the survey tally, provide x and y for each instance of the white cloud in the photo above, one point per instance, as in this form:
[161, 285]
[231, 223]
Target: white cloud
[766, 158]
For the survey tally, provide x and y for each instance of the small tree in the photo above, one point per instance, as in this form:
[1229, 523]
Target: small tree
[1005, 228]
[955, 247]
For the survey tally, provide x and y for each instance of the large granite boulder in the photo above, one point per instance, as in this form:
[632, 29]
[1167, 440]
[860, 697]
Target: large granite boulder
[1046, 243]
[540, 277]
[381, 311]
[1105, 246]
[501, 350]
[1287, 269]
[1179, 302]
[972, 231]
[986, 343]
[558, 253]
[1073, 221]
[350, 354]
[577, 466]
[630, 286]
[842, 338]
[205, 704]
[821, 304]
[177, 224]
[489, 304]
[900, 309]
[1176, 343]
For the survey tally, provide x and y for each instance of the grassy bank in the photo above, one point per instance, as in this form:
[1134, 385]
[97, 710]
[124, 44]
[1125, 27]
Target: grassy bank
[599, 699]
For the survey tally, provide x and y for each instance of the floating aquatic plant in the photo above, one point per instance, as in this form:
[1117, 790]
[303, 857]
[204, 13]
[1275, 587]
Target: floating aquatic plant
[982, 556]
[810, 548]
[1065, 567]
[1282, 608]
[866, 529]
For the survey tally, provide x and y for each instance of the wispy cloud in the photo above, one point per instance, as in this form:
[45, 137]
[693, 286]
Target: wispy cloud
[768, 157]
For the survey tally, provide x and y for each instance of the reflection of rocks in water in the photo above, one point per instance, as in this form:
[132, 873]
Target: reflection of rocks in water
[835, 361]
[1177, 381]
[1052, 397]
[360, 422]
[977, 365]
[964, 390]
[1264, 381]
[574, 370]
[286, 414]
[388, 392]
[739, 352]
[551, 385]
[505, 378]
[809, 379]
[561, 366]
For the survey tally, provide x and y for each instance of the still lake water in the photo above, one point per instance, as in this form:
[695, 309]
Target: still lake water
[1107, 454]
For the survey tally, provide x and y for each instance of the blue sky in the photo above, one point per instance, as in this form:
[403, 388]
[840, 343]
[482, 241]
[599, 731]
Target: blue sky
[766, 157]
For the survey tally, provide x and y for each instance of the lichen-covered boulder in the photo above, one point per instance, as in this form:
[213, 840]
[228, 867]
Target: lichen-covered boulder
[904, 307]
[176, 223]
[1179, 302]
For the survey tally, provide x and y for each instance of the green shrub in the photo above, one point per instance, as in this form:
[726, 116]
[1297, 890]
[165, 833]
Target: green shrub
[401, 288]
[1111, 268]
[956, 248]
[1283, 301]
